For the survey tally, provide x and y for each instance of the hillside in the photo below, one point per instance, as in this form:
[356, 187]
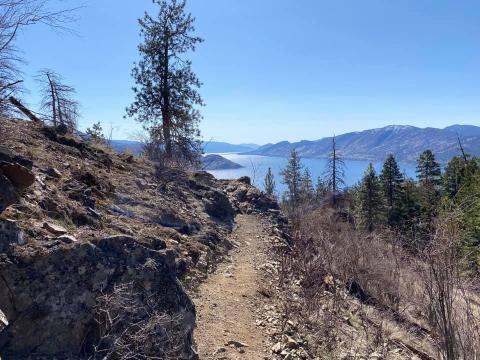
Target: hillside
[217, 162]
[85, 232]
[405, 142]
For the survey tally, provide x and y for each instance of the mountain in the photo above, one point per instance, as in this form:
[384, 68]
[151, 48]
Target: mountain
[405, 142]
[136, 147]
[121, 146]
[464, 130]
[217, 162]
[223, 147]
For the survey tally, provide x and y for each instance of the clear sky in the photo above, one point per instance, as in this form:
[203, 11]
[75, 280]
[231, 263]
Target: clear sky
[283, 69]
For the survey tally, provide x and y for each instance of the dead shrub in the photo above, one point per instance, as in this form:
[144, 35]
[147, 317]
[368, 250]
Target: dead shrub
[129, 328]
[425, 296]
[449, 303]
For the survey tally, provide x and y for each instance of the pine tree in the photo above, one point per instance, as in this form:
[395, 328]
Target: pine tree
[458, 173]
[335, 171]
[391, 179]
[430, 180]
[370, 199]
[95, 133]
[292, 177]
[410, 209]
[428, 170]
[321, 190]
[166, 95]
[269, 183]
[307, 192]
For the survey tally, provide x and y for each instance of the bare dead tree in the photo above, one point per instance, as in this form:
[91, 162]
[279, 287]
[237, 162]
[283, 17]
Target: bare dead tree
[58, 101]
[335, 171]
[14, 16]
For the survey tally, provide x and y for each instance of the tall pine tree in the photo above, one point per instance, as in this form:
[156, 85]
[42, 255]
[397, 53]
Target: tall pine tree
[371, 205]
[429, 176]
[392, 179]
[307, 192]
[269, 183]
[166, 90]
[292, 177]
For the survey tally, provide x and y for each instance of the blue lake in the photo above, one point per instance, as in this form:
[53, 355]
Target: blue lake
[256, 167]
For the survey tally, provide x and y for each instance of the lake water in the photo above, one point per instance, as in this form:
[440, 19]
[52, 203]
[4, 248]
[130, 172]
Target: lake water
[256, 167]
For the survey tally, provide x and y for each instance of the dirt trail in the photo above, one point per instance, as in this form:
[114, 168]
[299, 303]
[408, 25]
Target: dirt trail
[226, 302]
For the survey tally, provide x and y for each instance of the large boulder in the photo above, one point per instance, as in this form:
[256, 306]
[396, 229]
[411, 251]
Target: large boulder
[52, 299]
[15, 177]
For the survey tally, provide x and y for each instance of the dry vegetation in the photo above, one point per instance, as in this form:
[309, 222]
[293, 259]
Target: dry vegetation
[361, 294]
[130, 328]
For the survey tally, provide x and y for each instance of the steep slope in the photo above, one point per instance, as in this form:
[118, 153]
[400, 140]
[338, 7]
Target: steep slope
[406, 142]
[100, 236]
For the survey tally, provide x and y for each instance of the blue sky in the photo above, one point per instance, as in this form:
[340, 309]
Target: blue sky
[283, 69]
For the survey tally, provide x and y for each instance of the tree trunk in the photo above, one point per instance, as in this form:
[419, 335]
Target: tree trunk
[59, 109]
[23, 109]
[54, 105]
[167, 119]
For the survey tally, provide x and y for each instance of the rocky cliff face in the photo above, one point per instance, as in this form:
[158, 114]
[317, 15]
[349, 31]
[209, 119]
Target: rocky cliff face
[51, 298]
[98, 251]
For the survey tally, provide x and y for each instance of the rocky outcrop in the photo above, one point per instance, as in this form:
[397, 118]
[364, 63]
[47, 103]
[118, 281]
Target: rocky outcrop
[51, 299]
[15, 177]
[247, 198]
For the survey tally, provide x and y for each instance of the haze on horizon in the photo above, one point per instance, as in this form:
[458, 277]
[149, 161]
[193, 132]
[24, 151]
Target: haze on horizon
[278, 70]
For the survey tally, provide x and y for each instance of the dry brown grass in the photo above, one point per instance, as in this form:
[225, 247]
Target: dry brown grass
[360, 292]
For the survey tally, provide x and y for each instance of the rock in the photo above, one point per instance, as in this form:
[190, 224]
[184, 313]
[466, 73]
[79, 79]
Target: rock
[182, 266]
[290, 343]
[14, 178]
[142, 184]
[219, 351]
[3, 321]
[9, 157]
[67, 239]
[218, 206]
[20, 176]
[54, 229]
[10, 234]
[277, 348]
[54, 296]
[8, 195]
[245, 180]
[236, 344]
[54, 173]
[93, 213]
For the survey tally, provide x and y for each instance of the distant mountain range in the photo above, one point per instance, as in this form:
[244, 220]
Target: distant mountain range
[223, 147]
[210, 147]
[121, 146]
[405, 142]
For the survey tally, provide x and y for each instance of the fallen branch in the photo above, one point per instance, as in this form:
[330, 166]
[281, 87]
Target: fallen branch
[24, 110]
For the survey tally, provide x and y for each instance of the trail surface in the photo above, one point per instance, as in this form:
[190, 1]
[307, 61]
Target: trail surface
[226, 302]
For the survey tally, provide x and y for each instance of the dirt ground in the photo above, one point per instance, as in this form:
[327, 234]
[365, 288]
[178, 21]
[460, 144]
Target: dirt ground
[226, 302]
